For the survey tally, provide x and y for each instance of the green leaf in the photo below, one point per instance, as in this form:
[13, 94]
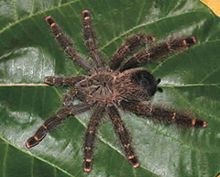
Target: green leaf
[190, 81]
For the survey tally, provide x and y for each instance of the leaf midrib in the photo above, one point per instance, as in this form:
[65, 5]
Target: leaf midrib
[189, 85]
[101, 48]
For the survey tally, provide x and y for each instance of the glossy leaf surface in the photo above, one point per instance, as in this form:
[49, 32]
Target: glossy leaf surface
[190, 81]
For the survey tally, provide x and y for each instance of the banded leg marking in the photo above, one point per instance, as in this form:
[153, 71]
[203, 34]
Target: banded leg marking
[62, 81]
[123, 135]
[67, 44]
[158, 52]
[90, 138]
[89, 37]
[128, 47]
[164, 115]
[53, 121]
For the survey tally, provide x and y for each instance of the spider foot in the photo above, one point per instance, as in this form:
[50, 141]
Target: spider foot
[134, 161]
[37, 138]
[87, 166]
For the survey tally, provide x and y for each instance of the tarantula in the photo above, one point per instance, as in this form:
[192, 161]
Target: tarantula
[121, 85]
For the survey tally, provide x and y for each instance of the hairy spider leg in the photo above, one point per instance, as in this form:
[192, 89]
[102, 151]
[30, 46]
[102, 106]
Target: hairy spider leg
[90, 137]
[53, 121]
[163, 115]
[158, 52]
[69, 97]
[67, 44]
[130, 44]
[123, 135]
[60, 81]
[90, 40]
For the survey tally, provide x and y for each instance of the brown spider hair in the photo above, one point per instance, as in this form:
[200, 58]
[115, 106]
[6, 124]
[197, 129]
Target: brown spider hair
[121, 85]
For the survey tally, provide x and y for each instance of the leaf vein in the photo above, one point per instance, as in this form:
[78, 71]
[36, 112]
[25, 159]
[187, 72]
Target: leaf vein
[5, 161]
[7, 27]
[209, 74]
[144, 24]
[34, 156]
[112, 147]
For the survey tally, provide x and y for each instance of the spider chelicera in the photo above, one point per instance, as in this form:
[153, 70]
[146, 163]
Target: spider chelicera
[120, 85]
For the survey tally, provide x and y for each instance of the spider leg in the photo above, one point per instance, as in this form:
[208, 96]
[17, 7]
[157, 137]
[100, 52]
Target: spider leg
[89, 37]
[90, 137]
[69, 97]
[59, 81]
[163, 115]
[158, 52]
[127, 47]
[53, 121]
[123, 135]
[67, 44]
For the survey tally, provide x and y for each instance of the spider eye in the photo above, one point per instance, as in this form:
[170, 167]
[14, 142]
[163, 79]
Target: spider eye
[146, 81]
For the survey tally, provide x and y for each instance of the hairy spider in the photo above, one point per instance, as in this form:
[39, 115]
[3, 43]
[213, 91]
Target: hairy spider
[122, 85]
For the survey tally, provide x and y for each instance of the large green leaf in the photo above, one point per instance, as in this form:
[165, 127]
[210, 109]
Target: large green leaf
[190, 81]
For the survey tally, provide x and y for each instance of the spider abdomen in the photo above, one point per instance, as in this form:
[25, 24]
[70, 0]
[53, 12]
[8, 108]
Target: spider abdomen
[136, 85]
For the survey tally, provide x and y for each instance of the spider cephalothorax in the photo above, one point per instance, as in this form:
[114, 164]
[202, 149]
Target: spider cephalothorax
[121, 85]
